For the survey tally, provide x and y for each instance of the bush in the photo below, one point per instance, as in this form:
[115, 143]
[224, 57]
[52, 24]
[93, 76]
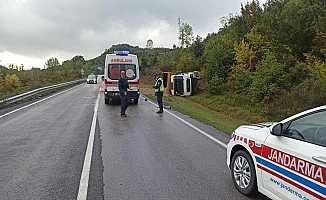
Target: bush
[298, 73]
[185, 61]
[243, 81]
[12, 82]
[217, 85]
[309, 94]
[269, 79]
[219, 57]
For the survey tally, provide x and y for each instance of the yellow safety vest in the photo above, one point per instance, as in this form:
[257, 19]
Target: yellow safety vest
[161, 89]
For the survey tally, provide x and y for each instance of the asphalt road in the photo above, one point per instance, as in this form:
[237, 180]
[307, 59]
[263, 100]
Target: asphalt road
[144, 156]
[42, 147]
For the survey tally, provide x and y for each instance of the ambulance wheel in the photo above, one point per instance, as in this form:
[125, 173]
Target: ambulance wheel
[243, 173]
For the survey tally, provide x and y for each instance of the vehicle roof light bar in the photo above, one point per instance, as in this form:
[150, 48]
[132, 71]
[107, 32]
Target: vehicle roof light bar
[121, 53]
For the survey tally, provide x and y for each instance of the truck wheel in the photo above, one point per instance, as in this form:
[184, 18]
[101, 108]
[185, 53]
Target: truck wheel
[136, 101]
[243, 173]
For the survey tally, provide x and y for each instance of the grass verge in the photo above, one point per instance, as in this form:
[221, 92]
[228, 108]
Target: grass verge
[222, 112]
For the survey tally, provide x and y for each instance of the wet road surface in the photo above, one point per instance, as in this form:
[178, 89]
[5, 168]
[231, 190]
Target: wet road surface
[144, 156]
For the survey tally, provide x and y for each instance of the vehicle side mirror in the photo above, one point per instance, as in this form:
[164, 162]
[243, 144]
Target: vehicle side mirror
[277, 130]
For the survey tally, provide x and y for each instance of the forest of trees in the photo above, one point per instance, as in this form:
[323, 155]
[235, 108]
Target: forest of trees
[15, 79]
[271, 56]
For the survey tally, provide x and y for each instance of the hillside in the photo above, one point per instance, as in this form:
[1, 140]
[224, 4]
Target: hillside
[270, 58]
[147, 57]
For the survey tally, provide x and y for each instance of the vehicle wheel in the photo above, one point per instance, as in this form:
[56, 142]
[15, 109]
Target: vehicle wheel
[106, 101]
[136, 101]
[243, 173]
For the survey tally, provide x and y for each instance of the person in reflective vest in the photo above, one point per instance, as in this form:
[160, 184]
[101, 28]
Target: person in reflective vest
[159, 90]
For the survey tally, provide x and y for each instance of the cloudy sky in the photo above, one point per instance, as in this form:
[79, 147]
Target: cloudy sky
[33, 30]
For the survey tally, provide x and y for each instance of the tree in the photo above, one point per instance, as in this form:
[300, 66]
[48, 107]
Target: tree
[319, 45]
[3, 71]
[245, 57]
[185, 61]
[78, 59]
[12, 82]
[52, 63]
[269, 79]
[78, 62]
[250, 13]
[238, 26]
[294, 23]
[219, 57]
[317, 67]
[12, 67]
[216, 85]
[21, 67]
[247, 53]
[167, 63]
[198, 47]
[185, 34]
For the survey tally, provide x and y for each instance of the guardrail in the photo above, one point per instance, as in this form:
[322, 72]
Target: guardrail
[37, 92]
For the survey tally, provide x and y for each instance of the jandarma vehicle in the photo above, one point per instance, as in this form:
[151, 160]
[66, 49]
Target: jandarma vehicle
[285, 160]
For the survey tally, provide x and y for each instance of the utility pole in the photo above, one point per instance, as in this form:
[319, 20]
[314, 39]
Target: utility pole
[179, 22]
[181, 35]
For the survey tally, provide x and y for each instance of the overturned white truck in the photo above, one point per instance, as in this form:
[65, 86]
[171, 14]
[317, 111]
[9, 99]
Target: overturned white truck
[184, 84]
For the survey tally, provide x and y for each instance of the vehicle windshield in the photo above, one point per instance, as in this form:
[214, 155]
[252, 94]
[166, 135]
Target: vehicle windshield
[91, 77]
[311, 128]
[115, 69]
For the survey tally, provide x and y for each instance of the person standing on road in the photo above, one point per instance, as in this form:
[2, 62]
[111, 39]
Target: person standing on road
[123, 89]
[159, 90]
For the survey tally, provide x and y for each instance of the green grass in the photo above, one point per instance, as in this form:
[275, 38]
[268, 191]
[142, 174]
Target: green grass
[223, 112]
[215, 111]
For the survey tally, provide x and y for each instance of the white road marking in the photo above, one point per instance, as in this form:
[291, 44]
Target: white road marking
[222, 144]
[83, 184]
[36, 102]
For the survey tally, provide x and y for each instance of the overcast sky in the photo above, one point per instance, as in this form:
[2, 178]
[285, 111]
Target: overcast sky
[33, 30]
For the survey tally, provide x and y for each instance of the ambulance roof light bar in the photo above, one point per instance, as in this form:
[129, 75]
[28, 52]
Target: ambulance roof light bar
[121, 53]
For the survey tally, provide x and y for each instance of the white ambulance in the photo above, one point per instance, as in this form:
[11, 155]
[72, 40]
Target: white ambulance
[284, 160]
[114, 64]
